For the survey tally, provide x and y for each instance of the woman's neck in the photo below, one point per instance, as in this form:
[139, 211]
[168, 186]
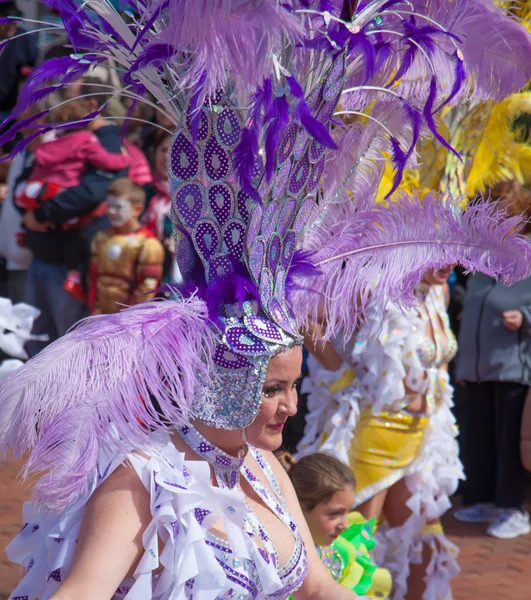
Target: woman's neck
[421, 290]
[230, 442]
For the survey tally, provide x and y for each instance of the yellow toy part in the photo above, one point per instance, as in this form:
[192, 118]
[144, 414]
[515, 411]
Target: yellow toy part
[349, 560]
[358, 574]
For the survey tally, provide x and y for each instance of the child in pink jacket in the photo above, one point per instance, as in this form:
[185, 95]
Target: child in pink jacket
[60, 163]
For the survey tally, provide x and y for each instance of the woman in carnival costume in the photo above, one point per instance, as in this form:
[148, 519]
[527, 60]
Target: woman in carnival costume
[151, 430]
[387, 413]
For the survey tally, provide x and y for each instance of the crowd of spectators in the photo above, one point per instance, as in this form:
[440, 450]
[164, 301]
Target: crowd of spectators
[54, 193]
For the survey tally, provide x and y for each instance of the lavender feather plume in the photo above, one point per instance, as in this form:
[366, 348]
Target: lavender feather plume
[380, 253]
[495, 49]
[99, 385]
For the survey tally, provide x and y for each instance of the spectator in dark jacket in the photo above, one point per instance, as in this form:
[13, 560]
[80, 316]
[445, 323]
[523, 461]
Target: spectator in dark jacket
[18, 54]
[47, 273]
[494, 365]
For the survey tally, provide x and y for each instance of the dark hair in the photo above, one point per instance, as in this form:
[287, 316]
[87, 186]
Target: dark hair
[159, 136]
[127, 188]
[316, 477]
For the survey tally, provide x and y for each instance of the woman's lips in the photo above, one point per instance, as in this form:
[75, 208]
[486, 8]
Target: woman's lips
[278, 427]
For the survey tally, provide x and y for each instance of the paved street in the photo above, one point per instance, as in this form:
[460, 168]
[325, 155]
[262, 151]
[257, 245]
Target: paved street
[491, 569]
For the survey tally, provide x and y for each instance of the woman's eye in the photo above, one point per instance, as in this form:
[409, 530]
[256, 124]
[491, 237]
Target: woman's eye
[269, 392]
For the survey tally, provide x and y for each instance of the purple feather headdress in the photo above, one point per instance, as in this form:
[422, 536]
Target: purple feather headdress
[284, 113]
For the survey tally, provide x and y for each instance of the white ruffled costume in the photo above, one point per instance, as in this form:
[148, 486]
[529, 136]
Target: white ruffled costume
[196, 564]
[16, 322]
[387, 352]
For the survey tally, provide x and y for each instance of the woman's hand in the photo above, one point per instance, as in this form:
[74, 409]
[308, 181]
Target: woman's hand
[30, 222]
[512, 319]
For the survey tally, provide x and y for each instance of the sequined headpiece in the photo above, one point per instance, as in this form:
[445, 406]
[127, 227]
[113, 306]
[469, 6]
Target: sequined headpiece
[285, 112]
[229, 233]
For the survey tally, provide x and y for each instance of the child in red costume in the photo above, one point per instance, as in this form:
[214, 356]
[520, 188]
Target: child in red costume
[126, 260]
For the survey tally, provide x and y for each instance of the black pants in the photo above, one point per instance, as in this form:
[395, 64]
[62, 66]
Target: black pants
[493, 414]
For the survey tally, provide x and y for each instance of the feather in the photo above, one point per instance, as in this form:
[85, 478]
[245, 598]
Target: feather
[93, 386]
[246, 152]
[235, 36]
[428, 116]
[154, 55]
[499, 157]
[244, 159]
[66, 69]
[496, 49]
[276, 125]
[380, 253]
[399, 161]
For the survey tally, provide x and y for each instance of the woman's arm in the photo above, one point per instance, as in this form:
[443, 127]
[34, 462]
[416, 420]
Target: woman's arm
[318, 584]
[325, 353]
[110, 539]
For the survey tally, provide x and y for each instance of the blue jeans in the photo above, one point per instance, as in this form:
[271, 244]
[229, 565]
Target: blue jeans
[59, 311]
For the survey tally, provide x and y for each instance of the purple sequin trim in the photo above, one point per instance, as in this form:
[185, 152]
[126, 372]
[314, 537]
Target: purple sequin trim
[200, 514]
[225, 461]
[55, 575]
[218, 546]
[239, 578]
[175, 485]
[204, 448]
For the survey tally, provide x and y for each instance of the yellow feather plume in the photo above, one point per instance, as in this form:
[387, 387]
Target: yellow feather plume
[500, 157]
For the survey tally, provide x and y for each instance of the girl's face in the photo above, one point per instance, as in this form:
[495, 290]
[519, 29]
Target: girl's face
[438, 277]
[161, 156]
[279, 400]
[328, 519]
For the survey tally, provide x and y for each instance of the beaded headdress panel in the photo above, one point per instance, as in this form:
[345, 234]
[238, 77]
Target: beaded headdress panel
[284, 113]
[233, 234]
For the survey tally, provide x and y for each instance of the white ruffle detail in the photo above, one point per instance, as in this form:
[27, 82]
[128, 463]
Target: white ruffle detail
[400, 547]
[383, 354]
[46, 545]
[331, 418]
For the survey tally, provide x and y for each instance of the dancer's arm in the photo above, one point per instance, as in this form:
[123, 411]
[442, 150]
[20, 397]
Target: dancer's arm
[325, 353]
[110, 539]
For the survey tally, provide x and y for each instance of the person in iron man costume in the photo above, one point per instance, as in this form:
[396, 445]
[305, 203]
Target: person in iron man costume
[126, 259]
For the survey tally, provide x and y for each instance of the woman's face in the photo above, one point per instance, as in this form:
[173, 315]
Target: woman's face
[279, 400]
[161, 156]
[438, 277]
[328, 519]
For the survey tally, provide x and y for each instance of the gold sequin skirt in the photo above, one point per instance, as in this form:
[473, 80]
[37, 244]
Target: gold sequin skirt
[383, 449]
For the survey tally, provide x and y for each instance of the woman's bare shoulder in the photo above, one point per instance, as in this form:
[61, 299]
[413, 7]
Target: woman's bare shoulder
[122, 480]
